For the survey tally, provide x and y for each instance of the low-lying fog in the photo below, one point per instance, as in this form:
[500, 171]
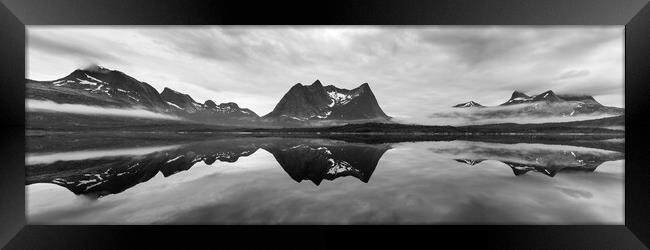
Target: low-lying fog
[49, 106]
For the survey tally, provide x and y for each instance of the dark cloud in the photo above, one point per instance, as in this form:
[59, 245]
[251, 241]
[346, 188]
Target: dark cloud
[477, 45]
[66, 48]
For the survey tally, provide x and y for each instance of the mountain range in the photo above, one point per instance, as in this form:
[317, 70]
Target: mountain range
[314, 160]
[545, 104]
[303, 159]
[301, 105]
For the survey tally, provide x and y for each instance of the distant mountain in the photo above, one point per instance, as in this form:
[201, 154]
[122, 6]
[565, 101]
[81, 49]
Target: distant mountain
[565, 105]
[469, 104]
[318, 102]
[546, 104]
[208, 111]
[99, 86]
[519, 97]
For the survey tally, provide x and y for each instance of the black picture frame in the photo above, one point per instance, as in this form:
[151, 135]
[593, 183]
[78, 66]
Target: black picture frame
[635, 15]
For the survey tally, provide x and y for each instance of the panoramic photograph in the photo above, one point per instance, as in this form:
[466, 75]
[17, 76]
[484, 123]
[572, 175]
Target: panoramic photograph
[154, 125]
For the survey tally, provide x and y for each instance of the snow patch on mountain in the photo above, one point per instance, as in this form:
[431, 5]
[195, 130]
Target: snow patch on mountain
[338, 98]
[174, 105]
[94, 79]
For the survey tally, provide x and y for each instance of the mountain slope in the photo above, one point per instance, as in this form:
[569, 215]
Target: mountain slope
[546, 104]
[209, 111]
[519, 97]
[98, 86]
[316, 102]
[469, 104]
[115, 85]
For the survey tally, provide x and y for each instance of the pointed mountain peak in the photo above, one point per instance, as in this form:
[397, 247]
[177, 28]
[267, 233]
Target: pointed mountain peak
[315, 102]
[517, 94]
[550, 92]
[169, 91]
[517, 97]
[547, 96]
[468, 105]
[316, 85]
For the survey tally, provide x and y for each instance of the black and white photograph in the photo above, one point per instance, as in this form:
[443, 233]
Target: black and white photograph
[324, 125]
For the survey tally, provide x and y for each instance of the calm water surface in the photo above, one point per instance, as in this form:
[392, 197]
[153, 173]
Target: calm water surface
[320, 181]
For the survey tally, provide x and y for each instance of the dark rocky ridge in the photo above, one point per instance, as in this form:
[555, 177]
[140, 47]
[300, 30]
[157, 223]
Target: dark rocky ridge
[318, 102]
[179, 100]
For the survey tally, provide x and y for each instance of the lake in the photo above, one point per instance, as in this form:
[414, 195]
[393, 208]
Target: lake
[274, 180]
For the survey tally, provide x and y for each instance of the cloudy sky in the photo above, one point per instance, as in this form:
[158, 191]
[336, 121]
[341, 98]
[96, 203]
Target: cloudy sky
[413, 70]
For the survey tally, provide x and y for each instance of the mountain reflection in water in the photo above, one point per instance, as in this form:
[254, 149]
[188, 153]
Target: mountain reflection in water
[530, 157]
[302, 159]
[315, 160]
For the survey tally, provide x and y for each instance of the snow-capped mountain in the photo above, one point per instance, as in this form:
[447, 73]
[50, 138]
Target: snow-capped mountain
[99, 86]
[469, 104]
[301, 105]
[563, 105]
[519, 97]
[184, 103]
[546, 104]
[318, 102]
